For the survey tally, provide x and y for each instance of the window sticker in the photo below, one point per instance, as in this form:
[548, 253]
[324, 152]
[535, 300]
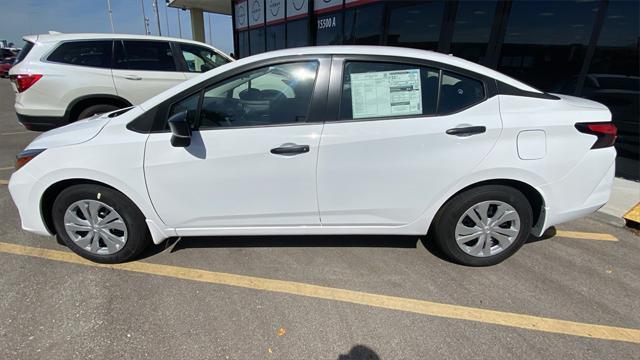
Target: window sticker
[386, 93]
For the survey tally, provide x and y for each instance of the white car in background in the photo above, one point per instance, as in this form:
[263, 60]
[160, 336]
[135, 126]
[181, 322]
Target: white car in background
[324, 140]
[60, 78]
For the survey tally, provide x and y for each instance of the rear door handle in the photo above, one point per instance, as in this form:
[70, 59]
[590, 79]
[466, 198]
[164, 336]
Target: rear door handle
[467, 131]
[133, 77]
[290, 149]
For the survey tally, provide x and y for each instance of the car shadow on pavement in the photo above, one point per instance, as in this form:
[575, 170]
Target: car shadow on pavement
[550, 233]
[268, 241]
[359, 352]
[293, 241]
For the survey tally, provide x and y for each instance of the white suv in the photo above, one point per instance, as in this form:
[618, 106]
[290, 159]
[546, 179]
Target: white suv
[60, 78]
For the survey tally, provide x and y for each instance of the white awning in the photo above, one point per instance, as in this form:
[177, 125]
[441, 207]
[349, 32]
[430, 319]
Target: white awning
[212, 6]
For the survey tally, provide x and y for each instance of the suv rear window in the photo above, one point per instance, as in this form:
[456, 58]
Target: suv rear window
[25, 50]
[83, 53]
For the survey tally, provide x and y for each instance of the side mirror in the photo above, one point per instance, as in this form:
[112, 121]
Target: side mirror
[181, 130]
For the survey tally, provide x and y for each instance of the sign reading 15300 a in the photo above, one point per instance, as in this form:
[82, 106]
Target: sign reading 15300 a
[386, 93]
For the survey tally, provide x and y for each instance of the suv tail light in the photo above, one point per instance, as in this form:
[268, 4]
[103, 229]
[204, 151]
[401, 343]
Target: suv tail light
[25, 81]
[605, 131]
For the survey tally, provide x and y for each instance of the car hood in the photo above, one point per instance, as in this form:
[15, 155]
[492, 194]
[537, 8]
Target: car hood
[74, 133]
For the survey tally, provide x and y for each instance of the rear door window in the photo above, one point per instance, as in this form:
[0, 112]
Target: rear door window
[83, 53]
[382, 90]
[459, 92]
[145, 55]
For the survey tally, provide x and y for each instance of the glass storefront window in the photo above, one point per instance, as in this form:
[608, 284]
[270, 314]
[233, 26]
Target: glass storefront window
[275, 37]
[364, 25]
[472, 29]
[619, 41]
[614, 78]
[243, 44]
[415, 25]
[329, 29]
[256, 40]
[545, 41]
[298, 33]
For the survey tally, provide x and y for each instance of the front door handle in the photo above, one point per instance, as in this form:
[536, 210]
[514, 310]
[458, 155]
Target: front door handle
[290, 149]
[133, 77]
[466, 131]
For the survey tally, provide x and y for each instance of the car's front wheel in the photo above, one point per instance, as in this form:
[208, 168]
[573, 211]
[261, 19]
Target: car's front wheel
[99, 223]
[484, 225]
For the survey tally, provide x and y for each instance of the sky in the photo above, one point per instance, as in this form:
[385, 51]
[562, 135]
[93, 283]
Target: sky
[25, 17]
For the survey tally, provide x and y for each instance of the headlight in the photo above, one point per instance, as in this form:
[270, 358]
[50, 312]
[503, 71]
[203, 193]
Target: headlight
[25, 156]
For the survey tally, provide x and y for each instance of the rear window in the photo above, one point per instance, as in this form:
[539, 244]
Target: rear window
[83, 53]
[25, 50]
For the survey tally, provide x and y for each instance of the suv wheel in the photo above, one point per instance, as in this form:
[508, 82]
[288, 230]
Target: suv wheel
[483, 226]
[96, 109]
[99, 223]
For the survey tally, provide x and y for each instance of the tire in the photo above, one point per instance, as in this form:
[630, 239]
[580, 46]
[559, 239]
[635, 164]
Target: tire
[485, 249]
[128, 236]
[96, 109]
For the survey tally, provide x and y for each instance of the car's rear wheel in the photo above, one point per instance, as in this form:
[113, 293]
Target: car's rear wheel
[96, 109]
[484, 225]
[99, 223]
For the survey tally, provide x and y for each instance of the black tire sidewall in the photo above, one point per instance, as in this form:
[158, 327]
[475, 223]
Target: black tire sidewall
[448, 216]
[137, 233]
[95, 109]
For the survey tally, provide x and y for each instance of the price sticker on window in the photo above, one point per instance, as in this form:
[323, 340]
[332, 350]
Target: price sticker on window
[386, 93]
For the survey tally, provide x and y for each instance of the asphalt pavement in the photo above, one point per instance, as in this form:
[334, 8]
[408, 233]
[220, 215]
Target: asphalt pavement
[574, 294]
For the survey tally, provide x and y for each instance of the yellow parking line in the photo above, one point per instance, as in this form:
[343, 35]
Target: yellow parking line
[355, 297]
[4, 182]
[585, 235]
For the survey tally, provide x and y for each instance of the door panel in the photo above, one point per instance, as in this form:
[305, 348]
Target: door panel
[230, 178]
[386, 170]
[252, 160]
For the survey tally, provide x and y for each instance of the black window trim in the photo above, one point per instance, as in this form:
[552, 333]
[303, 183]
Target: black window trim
[45, 57]
[316, 114]
[340, 62]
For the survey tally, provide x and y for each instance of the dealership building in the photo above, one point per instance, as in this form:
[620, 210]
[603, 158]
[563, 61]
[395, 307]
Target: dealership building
[587, 48]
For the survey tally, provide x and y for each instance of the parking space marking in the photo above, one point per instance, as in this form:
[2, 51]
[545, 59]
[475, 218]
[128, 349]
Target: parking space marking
[416, 306]
[585, 235]
[16, 133]
[4, 182]
[7, 168]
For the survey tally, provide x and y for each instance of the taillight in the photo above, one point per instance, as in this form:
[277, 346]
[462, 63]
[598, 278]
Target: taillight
[606, 133]
[25, 156]
[25, 81]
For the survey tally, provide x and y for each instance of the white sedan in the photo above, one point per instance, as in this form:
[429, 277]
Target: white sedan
[324, 140]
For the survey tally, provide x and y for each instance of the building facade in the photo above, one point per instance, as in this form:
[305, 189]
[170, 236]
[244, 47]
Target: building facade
[588, 48]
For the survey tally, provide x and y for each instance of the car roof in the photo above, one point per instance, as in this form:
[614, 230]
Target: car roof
[56, 37]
